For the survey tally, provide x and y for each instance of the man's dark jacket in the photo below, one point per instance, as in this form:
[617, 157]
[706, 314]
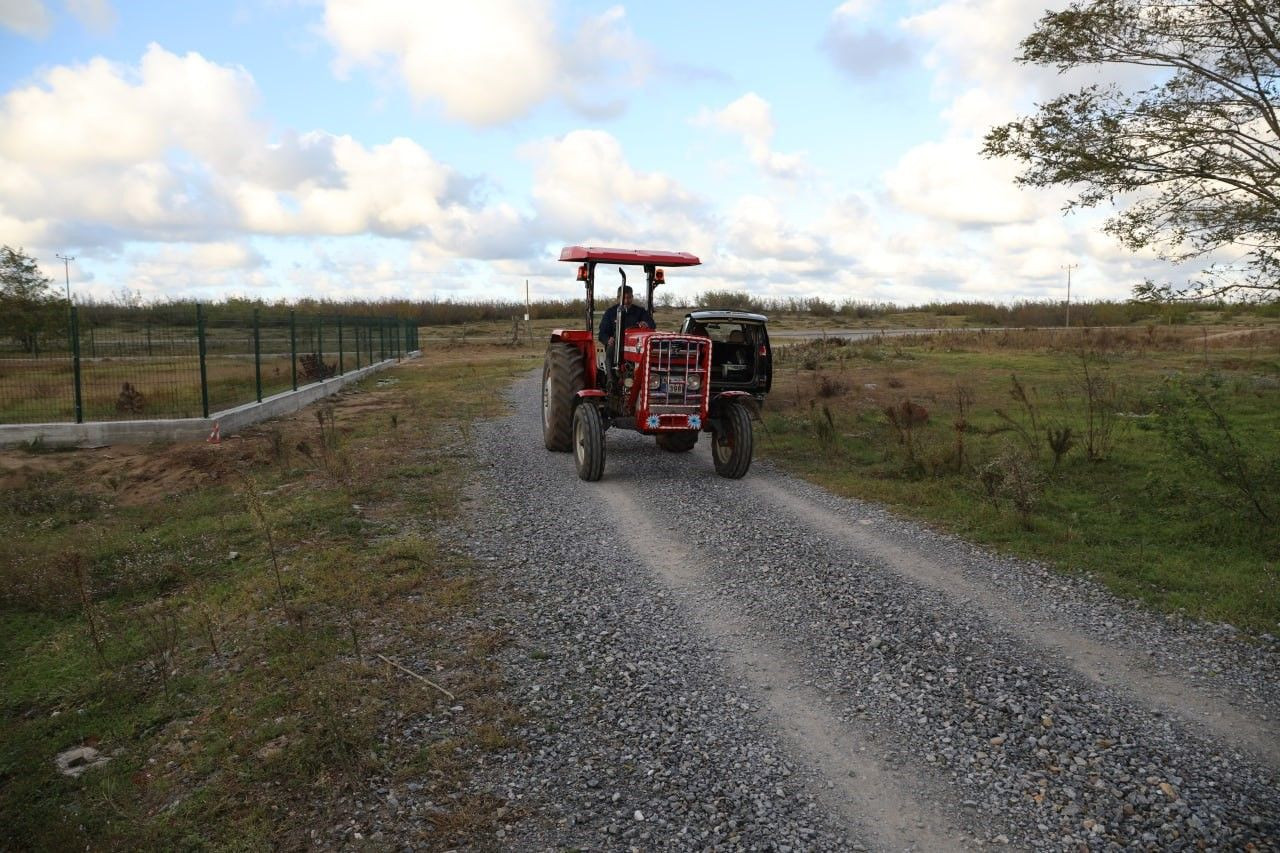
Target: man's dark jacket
[632, 316]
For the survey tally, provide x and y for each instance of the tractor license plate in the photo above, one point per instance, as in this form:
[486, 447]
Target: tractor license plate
[676, 388]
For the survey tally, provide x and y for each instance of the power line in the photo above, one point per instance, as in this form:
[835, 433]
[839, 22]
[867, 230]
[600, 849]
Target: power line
[1069, 268]
[66, 271]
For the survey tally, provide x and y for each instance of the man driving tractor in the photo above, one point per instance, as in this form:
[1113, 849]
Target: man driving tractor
[632, 316]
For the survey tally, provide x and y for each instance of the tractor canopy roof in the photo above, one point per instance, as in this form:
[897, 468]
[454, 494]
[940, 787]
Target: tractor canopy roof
[628, 256]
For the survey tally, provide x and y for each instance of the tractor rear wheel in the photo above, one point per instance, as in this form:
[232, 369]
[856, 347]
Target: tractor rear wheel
[677, 442]
[732, 444]
[588, 442]
[563, 375]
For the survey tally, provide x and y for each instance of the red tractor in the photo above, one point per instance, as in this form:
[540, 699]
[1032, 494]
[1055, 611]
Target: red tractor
[655, 383]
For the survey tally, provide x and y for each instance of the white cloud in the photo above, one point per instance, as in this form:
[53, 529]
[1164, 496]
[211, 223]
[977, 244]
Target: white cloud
[972, 45]
[105, 113]
[481, 74]
[857, 47]
[490, 61]
[603, 63]
[170, 150]
[751, 118]
[585, 187]
[950, 181]
[29, 18]
[204, 257]
[757, 229]
[96, 15]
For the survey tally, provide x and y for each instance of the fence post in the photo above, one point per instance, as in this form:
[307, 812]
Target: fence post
[257, 354]
[341, 367]
[320, 346]
[204, 375]
[357, 331]
[148, 337]
[293, 346]
[75, 362]
[368, 333]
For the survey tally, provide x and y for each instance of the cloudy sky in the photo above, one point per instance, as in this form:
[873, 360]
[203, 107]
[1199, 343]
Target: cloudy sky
[372, 148]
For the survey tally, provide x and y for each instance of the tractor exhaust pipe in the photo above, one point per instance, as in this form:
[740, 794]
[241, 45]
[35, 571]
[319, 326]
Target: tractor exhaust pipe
[617, 319]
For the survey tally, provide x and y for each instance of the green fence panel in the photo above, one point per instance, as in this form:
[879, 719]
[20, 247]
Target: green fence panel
[102, 362]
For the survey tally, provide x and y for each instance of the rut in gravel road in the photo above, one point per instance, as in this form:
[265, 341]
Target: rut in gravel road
[928, 694]
[857, 782]
[1102, 662]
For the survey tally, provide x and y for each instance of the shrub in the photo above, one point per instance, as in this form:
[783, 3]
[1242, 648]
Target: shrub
[1193, 424]
[830, 386]
[1014, 476]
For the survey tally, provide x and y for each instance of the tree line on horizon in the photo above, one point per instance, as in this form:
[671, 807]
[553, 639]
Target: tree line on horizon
[31, 306]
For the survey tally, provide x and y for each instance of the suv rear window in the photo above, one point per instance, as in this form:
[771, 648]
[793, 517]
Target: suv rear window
[726, 332]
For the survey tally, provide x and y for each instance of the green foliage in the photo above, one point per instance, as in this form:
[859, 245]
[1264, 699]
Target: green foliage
[1193, 422]
[1193, 155]
[28, 306]
[736, 299]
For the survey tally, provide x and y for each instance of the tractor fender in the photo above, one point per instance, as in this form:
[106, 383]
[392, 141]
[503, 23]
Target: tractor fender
[719, 401]
[587, 394]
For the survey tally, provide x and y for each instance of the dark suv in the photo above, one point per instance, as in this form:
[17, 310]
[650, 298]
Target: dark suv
[741, 359]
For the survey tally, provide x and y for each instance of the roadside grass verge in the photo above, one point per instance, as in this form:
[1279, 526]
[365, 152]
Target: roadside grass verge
[218, 621]
[1148, 458]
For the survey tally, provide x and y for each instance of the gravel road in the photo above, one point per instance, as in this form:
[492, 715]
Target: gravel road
[756, 664]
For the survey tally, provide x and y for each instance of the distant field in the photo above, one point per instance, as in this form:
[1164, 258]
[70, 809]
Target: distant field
[493, 331]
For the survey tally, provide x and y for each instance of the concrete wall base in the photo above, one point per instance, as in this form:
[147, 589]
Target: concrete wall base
[230, 421]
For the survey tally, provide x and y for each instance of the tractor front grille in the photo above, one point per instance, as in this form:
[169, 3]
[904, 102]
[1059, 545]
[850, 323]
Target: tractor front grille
[678, 371]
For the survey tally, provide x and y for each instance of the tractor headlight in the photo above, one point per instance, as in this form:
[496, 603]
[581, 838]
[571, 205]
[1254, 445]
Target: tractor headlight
[655, 381]
[694, 382]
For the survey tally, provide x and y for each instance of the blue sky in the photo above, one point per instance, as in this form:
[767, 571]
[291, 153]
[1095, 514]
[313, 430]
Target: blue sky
[369, 149]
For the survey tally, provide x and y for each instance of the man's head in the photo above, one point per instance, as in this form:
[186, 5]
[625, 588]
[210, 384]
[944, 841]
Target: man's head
[625, 294]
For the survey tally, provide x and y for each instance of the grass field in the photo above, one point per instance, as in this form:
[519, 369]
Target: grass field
[1165, 484]
[209, 617]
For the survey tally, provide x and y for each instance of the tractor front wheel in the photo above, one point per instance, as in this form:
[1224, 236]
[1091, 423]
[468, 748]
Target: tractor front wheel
[731, 445]
[563, 375]
[588, 442]
[677, 442]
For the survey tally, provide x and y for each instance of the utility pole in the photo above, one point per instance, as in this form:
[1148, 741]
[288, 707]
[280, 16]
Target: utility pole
[66, 271]
[1069, 268]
